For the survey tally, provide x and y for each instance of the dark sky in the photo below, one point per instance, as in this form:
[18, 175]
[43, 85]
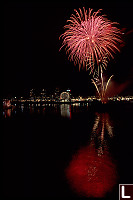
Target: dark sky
[31, 47]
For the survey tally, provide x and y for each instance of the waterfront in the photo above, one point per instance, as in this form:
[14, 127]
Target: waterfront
[67, 99]
[40, 142]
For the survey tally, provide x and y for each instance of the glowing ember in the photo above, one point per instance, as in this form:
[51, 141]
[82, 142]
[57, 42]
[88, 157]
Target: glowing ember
[89, 37]
[91, 175]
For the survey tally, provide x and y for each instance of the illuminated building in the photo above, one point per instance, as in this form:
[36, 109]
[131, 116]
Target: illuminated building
[43, 95]
[32, 95]
[57, 94]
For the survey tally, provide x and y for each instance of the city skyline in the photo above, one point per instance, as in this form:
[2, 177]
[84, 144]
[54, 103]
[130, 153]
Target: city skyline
[60, 96]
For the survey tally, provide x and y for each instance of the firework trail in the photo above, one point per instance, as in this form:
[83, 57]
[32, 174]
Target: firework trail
[102, 92]
[89, 37]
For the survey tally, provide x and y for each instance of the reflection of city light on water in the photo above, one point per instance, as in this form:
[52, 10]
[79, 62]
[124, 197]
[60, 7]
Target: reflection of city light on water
[22, 107]
[65, 110]
[7, 113]
[90, 173]
[32, 108]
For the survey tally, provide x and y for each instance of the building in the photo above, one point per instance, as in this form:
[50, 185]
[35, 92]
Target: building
[32, 95]
[43, 94]
[56, 95]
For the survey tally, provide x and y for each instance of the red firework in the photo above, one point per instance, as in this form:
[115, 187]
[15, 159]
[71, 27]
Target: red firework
[89, 37]
[91, 175]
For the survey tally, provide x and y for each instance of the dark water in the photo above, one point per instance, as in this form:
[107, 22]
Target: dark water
[72, 151]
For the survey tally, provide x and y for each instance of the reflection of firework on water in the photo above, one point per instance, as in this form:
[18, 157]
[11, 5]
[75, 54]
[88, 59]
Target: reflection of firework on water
[91, 175]
[89, 37]
[101, 125]
[92, 171]
[102, 120]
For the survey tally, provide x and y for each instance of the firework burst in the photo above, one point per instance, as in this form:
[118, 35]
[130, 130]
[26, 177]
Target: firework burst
[89, 37]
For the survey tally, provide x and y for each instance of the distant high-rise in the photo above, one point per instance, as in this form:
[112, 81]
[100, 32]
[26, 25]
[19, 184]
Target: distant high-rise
[32, 94]
[57, 94]
[43, 94]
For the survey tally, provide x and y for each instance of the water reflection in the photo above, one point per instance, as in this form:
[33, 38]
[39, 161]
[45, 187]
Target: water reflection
[22, 107]
[65, 110]
[91, 175]
[31, 108]
[102, 122]
[102, 129]
[7, 113]
[92, 171]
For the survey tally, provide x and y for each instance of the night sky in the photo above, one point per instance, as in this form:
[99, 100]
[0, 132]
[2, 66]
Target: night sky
[31, 47]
